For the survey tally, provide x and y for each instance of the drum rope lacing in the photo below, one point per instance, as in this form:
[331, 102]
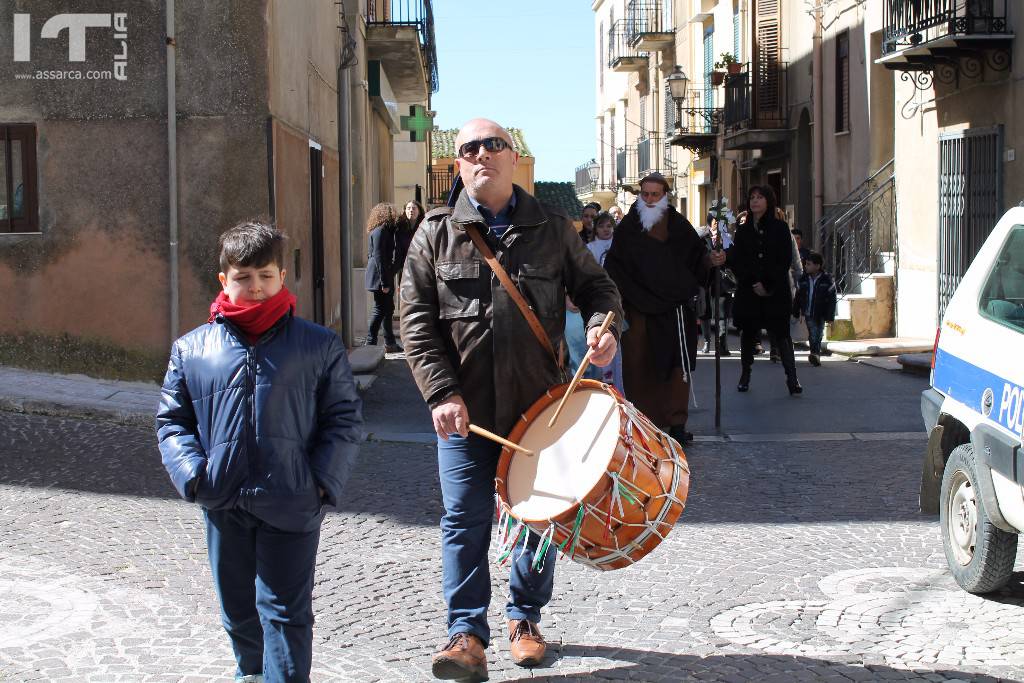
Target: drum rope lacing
[639, 451]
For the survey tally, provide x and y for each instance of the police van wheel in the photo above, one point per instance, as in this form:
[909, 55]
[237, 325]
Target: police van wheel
[979, 555]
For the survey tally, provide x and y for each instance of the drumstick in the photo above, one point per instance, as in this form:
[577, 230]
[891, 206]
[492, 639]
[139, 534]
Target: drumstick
[497, 439]
[583, 367]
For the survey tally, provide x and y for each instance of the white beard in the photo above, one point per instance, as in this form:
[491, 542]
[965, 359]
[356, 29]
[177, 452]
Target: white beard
[650, 215]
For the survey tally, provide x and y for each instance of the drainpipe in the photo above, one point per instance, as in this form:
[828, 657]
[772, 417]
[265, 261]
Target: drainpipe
[172, 171]
[819, 124]
[345, 199]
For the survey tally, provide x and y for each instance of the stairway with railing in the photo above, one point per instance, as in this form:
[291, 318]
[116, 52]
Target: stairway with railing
[858, 243]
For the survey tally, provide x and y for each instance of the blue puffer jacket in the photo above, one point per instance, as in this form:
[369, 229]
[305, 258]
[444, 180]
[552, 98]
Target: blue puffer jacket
[260, 426]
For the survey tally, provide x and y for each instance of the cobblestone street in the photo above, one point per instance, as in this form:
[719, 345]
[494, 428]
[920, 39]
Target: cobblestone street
[795, 561]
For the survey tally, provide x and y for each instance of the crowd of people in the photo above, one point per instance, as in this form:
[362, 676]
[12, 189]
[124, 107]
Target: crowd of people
[767, 283]
[260, 421]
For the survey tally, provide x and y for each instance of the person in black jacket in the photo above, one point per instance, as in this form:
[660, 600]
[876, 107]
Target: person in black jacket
[408, 222]
[260, 424]
[380, 274]
[761, 257]
[815, 301]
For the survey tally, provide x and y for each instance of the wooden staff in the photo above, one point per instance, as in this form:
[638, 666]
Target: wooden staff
[583, 367]
[497, 439]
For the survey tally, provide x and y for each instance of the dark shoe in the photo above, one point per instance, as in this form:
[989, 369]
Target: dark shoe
[758, 349]
[794, 386]
[723, 346]
[813, 359]
[371, 341]
[463, 658]
[706, 348]
[393, 347]
[744, 384]
[773, 356]
[525, 642]
[679, 433]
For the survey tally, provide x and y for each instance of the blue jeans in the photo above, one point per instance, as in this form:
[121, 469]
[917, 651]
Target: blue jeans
[815, 330]
[576, 342]
[264, 579]
[467, 466]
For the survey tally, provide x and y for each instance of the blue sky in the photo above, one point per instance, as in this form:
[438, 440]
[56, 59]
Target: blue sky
[526, 64]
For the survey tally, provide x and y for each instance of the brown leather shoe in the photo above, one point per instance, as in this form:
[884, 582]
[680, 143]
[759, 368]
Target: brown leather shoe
[525, 642]
[463, 658]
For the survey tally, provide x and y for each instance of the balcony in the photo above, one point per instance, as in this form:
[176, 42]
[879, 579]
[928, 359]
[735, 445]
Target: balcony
[694, 122]
[756, 108]
[649, 26]
[633, 163]
[920, 34]
[588, 186]
[400, 34]
[623, 57]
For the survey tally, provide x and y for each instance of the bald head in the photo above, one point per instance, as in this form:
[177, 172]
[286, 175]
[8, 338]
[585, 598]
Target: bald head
[477, 129]
[486, 171]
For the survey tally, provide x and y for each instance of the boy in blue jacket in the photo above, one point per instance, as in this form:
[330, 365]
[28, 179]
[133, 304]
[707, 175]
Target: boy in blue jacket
[259, 422]
[816, 301]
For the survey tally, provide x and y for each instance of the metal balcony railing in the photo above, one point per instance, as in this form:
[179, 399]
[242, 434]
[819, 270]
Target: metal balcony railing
[619, 49]
[911, 22]
[757, 97]
[418, 14]
[626, 166]
[693, 115]
[647, 17]
[585, 185]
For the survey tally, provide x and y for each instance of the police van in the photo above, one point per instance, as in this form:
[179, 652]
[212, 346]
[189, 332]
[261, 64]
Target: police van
[973, 474]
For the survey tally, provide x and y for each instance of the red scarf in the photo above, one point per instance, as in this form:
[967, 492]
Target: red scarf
[256, 317]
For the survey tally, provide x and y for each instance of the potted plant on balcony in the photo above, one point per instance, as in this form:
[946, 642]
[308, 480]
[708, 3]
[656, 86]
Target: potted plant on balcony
[728, 62]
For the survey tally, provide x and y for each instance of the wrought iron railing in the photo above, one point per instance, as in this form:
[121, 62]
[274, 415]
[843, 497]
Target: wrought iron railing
[440, 183]
[585, 184]
[644, 17]
[909, 22]
[618, 45]
[693, 115]
[859, 232]
[650, 154]
[757, 97]
[418, 14]
[626, 170]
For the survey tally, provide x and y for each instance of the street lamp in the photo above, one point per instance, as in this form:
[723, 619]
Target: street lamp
[594, 172]
[678, 84]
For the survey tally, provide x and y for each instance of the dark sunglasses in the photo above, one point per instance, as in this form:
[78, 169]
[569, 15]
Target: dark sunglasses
[470, 149]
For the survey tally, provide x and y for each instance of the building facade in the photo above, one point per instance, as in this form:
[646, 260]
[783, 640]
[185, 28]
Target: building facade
[109, 215]
[886, 129]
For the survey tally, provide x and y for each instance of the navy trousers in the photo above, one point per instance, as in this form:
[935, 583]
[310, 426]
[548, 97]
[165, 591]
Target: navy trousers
[467, 467]
[264, 579]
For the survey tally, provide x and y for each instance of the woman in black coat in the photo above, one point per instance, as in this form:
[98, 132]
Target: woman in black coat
[380, 274]
[407, 224]
[761, 257]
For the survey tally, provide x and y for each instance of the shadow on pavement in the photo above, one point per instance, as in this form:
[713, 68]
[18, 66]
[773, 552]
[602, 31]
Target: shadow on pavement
[648, 665]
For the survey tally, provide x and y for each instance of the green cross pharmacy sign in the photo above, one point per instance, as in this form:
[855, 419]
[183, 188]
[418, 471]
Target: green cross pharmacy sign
[418, 123]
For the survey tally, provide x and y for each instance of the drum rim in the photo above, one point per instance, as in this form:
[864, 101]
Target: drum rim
[527, 418]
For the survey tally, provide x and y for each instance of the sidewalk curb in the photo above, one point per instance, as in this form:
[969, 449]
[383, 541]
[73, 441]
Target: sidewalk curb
[80, 412]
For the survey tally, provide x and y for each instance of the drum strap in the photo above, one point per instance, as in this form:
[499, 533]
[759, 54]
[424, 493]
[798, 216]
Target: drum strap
[513, 291]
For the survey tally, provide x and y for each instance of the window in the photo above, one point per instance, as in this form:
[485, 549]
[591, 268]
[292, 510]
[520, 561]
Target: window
[842, 82]
[1002, 298]
[643, 116]
[18, 202]
[736, 51]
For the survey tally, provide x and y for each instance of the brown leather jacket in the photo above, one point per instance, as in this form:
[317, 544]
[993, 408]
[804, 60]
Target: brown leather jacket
[463, 334]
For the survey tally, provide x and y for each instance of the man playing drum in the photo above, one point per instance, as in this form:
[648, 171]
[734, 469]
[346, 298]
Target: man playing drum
[475, 357]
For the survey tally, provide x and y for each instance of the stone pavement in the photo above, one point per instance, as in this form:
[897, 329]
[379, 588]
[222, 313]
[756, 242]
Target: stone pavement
[795, 561]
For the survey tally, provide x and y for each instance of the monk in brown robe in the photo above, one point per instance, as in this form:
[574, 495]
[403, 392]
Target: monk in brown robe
[658, 262]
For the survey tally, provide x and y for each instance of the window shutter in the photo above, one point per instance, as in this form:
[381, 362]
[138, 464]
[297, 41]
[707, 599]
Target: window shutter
[767, 55]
